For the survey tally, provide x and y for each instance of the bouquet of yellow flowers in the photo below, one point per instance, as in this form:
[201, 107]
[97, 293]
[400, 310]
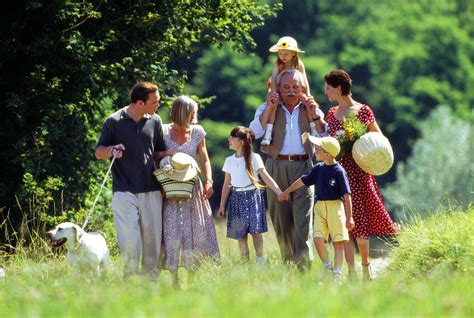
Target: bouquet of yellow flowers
[352, 130]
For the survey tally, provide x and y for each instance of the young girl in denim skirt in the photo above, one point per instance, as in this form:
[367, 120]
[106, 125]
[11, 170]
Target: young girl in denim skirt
[246, 210]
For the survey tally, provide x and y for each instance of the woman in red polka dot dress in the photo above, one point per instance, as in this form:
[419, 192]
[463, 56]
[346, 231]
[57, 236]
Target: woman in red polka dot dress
[370, 215]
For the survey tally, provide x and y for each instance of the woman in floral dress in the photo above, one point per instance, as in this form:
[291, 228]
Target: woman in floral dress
[189, 233]
[370, 215]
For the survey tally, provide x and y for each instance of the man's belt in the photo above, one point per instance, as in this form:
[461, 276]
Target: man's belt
[293, 157]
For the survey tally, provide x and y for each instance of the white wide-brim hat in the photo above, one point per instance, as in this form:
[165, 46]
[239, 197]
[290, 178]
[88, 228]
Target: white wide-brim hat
[286, 43]
[373, 153]
[179, 167]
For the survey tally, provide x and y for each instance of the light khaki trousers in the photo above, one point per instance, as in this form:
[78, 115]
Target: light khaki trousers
[138, 223]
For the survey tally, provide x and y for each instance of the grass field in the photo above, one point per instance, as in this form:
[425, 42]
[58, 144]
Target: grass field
[422, 281]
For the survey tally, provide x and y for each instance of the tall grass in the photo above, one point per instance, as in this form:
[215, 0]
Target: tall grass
[25, 241]
[439, 245]
[232, 288]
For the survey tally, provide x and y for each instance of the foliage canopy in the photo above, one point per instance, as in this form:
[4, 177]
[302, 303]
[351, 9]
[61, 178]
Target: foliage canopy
[65, 63]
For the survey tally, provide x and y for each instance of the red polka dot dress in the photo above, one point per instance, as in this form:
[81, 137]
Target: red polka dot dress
[368, 210]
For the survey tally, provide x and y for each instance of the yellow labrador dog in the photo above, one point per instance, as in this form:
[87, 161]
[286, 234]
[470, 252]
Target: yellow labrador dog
[85, 251]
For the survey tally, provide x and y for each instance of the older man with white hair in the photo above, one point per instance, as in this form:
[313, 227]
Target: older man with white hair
[288, 159]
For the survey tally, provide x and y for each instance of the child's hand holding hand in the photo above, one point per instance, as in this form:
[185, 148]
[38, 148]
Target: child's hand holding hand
[350, 223]
[283, 197]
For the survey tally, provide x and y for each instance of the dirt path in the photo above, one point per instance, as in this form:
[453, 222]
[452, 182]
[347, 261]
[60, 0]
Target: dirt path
[379, 265]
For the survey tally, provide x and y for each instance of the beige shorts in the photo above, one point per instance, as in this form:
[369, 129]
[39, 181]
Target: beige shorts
[330, 219]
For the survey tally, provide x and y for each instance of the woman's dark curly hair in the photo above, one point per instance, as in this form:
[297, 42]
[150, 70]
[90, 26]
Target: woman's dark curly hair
[339, 78]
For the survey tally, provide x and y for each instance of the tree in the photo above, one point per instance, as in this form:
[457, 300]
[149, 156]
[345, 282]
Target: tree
[440, 170]
[64, 64]
[237, 80]
[217, 141]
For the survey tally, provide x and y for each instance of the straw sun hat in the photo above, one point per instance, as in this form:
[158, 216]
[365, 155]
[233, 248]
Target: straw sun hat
[177, 175]
[180, 167]
[373, 153]
[286, 43]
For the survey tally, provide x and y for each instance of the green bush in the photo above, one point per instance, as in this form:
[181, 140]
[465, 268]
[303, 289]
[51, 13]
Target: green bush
[218, 148]
[438, 173]
[237, 80]
[41, 207]
[439, 245]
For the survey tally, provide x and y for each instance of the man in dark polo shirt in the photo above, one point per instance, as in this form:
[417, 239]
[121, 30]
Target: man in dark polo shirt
[134, 135]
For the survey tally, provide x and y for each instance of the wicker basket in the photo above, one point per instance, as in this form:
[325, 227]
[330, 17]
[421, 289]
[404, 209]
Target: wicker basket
[175, 190]
[373, 153]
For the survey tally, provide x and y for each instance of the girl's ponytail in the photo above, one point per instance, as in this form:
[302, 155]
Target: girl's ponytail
[247, 136]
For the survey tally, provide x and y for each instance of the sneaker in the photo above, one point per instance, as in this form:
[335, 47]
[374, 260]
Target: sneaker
[266, 141]
[337, 277]
[327, 273]
[261, 261]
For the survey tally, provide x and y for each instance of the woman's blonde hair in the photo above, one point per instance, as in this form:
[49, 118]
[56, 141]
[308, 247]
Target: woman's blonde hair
[182, 109]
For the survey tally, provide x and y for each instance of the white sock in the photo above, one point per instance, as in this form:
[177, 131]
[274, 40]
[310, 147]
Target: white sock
[314, 132]
[327, 265]
[268, 130]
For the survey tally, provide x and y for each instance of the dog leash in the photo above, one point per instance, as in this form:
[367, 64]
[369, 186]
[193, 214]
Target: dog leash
[98, 194]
